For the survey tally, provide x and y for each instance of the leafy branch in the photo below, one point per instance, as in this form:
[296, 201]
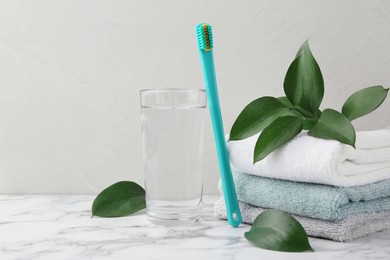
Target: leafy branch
[281, 119]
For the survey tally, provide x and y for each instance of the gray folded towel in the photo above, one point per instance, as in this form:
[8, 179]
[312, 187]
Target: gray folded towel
[349, 228]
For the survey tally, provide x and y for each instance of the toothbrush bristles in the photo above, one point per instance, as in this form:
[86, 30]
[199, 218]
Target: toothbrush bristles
[205, 37]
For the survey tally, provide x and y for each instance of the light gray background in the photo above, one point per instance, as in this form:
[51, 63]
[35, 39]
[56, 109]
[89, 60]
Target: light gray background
[71, 71]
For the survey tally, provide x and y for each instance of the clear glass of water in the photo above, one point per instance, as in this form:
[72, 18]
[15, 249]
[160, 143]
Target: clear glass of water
[172, 136]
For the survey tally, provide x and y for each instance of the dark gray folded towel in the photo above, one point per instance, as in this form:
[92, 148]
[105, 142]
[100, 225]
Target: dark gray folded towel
[349, 228]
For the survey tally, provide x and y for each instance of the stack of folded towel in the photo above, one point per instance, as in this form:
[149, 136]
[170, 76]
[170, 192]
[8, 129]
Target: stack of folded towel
[333, 190]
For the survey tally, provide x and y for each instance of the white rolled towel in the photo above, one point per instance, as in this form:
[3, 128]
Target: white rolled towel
[315, 160]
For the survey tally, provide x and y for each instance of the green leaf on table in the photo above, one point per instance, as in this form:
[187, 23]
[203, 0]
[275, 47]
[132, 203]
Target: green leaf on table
[257, 115]
[304, 84]
[277, 134]
[364, 102]
[279, 231]
[120, 199]
[334, 125]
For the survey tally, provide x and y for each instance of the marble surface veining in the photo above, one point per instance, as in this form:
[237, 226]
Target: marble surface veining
[61, 227]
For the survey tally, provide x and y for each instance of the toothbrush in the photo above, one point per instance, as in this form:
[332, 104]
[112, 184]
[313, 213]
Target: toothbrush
[205, 43]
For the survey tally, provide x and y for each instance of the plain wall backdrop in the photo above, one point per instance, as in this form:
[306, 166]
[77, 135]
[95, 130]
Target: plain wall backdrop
[71, 72]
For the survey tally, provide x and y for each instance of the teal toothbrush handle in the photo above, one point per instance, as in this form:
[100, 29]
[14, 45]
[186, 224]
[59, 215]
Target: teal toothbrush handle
[229, 191]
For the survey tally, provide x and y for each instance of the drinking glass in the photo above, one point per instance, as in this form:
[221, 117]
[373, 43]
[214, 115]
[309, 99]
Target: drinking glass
[172, 137]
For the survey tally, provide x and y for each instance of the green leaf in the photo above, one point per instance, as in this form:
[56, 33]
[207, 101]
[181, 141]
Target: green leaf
[279, 231]
[286, 102]
[303, 83]
[257, 115]
[310, 119]
[120, 199]
[307, 113]
[364, 102]
[309, 123]
[277, 134]
[334, 125]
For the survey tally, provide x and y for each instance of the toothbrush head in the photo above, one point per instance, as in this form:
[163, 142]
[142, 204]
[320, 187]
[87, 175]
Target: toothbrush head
[205, 37]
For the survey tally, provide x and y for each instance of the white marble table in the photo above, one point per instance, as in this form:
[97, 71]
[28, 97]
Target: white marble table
[61, 227]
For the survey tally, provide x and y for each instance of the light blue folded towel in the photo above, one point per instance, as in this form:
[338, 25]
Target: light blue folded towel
[312, 200]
